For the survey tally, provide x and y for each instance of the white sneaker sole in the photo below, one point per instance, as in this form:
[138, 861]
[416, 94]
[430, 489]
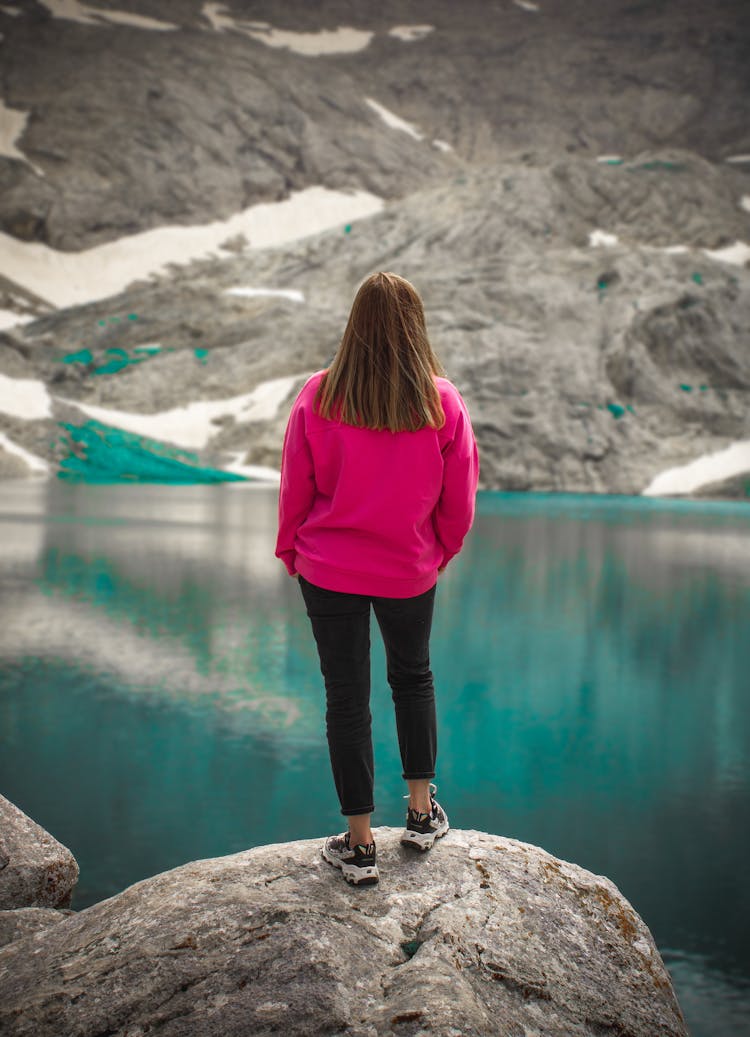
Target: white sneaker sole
[354, 875]
[423, 842]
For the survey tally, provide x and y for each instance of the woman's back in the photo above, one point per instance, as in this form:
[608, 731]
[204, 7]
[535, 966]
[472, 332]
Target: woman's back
[373, 511]
[380, 467]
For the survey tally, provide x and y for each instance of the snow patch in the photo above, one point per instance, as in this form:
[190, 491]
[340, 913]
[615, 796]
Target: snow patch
[526, 5]
[284, 293]
[217, 20]
[36, 464]
[394, 121]
[12, 126]
[738, 254]
[25, 398]
[9, 319]
[73, 11]
[734, 460]
[250, 471]
[442, 145]
[73, 278]
[193, 425]
[600, 237]
[745, 202]
[738, 158]
[343, 40]
[409, 33]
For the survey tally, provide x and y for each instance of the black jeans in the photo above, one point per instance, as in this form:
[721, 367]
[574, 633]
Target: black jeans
[341, 626]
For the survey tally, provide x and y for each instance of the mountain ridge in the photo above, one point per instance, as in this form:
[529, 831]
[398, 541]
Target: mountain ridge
[544, 243]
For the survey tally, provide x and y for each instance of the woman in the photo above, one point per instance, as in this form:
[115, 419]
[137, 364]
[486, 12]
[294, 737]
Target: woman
[378, 477]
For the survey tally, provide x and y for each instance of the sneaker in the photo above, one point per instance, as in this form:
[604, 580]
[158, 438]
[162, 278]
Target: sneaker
[423, 829]
[357, 863]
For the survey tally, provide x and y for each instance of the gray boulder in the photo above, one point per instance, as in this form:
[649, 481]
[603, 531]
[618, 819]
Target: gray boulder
[35, 869]
[486, 935]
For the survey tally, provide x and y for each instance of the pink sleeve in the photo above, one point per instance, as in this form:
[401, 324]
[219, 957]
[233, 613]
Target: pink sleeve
[454, 513]
[297, 488]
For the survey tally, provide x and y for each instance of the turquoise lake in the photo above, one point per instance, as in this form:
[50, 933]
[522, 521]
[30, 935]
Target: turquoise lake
[161, 698]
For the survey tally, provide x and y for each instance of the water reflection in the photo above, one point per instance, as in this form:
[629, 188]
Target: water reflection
[171, 594]
[590, 655]
[606, 686]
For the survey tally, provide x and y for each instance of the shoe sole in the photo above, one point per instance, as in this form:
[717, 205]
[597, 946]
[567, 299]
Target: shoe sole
[423, 841]
[354, 875]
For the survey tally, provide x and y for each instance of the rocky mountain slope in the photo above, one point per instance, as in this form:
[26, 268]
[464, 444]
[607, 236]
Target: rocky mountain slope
[561, 194]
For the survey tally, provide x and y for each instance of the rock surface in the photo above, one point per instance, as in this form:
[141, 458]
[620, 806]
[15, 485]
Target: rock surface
[485, 935]
[572, 359]
[21, 921]
[736, 488]
[210, 121]
[35, 869]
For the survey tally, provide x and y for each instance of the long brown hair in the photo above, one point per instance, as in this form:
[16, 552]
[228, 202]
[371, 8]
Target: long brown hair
[382, 374]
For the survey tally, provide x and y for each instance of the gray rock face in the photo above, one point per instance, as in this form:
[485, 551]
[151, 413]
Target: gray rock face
[572, 359]
[585, 369]
[485, 935]
[12, 466]
[736, 488]
[35, 869]
[195, 143]
[24, 920]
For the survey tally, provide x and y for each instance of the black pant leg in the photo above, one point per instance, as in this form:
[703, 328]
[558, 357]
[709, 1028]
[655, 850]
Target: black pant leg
[406, 624]
[341, 627]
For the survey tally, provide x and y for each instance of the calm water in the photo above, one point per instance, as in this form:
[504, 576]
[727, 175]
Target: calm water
[161, 699]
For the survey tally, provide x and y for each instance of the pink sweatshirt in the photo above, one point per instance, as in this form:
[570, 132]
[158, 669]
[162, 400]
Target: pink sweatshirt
[370, 511]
